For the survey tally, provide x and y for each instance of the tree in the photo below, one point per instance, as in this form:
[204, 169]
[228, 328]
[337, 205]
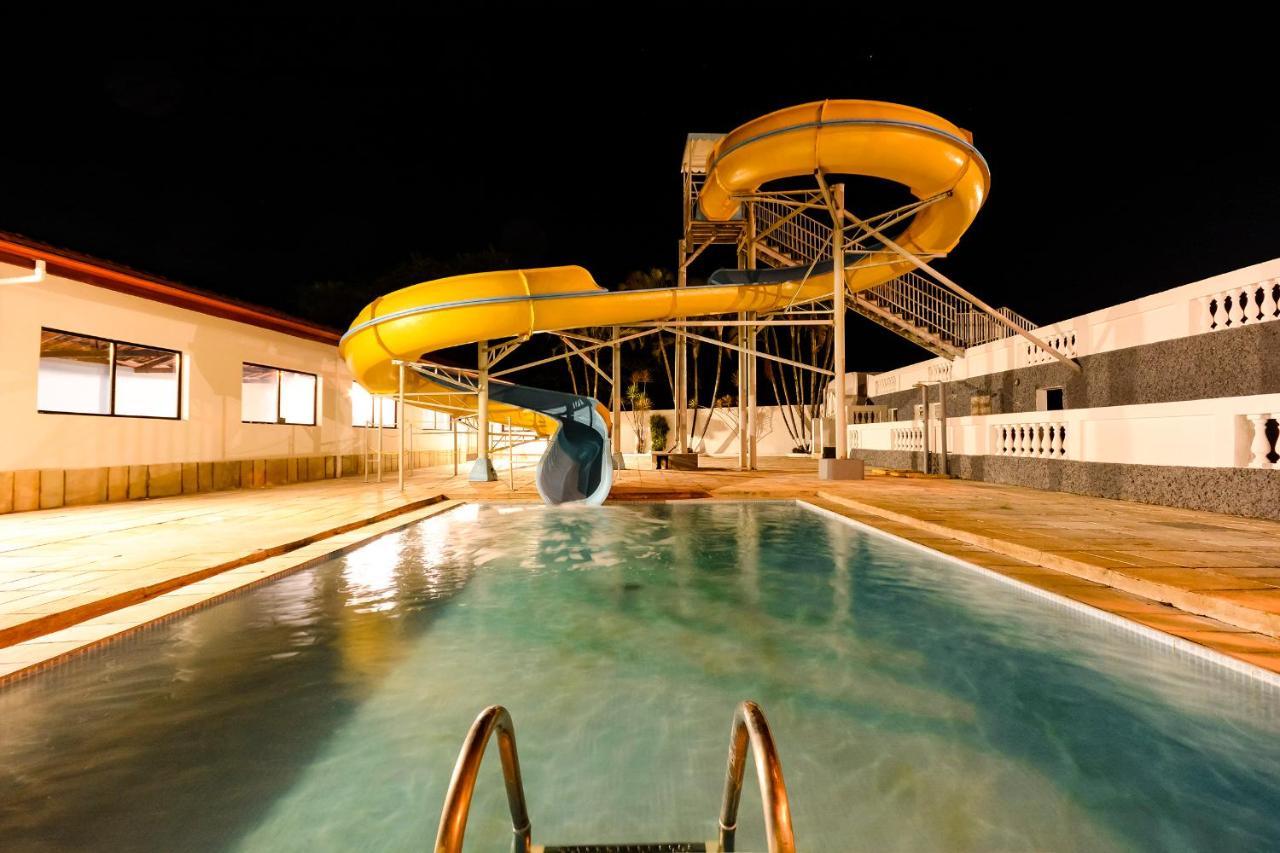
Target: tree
[639, 404]
[799, 393]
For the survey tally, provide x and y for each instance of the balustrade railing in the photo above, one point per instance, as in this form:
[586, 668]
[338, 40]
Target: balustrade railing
[907, 438]
[866, 414]
[1063, 340]
[1042, 440]
[1264, 450]
[1243, 305]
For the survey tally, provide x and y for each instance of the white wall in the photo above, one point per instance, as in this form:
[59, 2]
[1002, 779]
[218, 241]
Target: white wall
[213, 350]
[721, 438]
[1214, 433]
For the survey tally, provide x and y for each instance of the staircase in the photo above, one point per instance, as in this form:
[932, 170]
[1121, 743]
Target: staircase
[917, 308]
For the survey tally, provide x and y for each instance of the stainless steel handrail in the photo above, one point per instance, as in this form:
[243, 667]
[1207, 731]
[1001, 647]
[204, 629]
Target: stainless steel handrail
[749, 724]
[457, 803]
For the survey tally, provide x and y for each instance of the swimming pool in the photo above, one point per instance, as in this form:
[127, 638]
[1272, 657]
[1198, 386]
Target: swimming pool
[917, 704]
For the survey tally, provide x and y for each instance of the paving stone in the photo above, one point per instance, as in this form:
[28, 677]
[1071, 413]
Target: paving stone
[139, 475]
[226, 475]
[52, 488]
[164, 480]
[118, 483]
[85, 486]
[190, 478]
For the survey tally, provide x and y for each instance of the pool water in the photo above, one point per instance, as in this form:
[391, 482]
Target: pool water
[916, 704]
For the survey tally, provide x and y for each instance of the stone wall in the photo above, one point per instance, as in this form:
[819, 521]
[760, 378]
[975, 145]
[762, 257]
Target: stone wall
[21, 491]
[1228, 363]
[1236, 491]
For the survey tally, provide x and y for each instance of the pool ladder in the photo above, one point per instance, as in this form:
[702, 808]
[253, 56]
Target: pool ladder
[749, 729]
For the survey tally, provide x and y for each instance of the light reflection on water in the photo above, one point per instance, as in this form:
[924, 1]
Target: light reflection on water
[917, 706]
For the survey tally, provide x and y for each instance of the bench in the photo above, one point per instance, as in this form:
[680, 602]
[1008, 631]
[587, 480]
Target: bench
[675, 461]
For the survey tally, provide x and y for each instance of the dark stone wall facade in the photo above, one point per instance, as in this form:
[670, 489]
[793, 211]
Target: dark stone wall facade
[1249, 492]
[1229, 363]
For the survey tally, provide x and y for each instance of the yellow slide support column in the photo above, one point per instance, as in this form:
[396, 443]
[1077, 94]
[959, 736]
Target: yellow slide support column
[615, 403]
[482, 471]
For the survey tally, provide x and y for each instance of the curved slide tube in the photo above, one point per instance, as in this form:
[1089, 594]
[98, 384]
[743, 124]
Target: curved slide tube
[928, 154]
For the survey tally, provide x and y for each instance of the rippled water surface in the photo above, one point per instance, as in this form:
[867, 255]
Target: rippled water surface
[917, 705]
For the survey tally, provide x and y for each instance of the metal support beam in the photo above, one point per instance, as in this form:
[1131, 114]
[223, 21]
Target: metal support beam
[770, 357]
[584, 357]
[615, 401]
[752, 243]
[681, 389]
[744, 461]
[564, 355]
[685, 262]
[924, 424]
[403, 424]
[838, 318]
[925, 267]
[482, 471]
[942, 428]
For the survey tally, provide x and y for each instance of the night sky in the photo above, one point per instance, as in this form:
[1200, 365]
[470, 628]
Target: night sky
[299, 164]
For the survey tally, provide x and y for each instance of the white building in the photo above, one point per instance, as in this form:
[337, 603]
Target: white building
[1176, 402]
[118, 385]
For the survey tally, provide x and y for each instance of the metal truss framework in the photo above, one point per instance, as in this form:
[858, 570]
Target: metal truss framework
[795, 229]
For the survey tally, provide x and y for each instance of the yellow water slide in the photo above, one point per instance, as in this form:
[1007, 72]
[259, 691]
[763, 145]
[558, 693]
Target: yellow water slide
[927, 154]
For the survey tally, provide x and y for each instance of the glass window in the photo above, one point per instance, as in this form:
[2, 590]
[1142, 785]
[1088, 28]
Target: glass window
[273, 395]
[363, 413]
[297, 398]
[80, 374]
[146, 382]
[75, 374]
[259, 394]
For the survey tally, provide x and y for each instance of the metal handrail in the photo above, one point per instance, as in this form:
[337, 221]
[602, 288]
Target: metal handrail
[750, 725]
[457, 803]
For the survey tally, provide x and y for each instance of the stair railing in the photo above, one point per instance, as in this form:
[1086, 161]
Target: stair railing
[457, 802]
[751, 728]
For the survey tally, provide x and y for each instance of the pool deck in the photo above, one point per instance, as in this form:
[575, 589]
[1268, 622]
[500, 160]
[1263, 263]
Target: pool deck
[73, 578]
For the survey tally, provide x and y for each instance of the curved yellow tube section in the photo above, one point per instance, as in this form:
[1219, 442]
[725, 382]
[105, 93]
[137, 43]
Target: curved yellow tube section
[922, 151]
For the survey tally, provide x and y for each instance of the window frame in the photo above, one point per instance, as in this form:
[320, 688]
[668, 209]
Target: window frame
[315, 395]
[1043, 398]
[114, 342]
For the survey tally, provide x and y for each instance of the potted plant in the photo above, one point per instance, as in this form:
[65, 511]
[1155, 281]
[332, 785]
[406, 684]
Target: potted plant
[659, 428]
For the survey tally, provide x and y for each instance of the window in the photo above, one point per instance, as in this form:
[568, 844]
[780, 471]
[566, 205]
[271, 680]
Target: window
[273, 395]
[1049, 399]
[435, 420]
[85, 375]
[363, 412]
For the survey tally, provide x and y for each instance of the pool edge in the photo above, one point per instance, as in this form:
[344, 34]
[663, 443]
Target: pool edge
[1181, 644]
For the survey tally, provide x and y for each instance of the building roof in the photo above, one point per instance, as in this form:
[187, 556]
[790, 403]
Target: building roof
[21, 250]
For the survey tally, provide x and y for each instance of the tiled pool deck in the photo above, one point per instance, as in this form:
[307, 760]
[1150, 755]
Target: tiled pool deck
[70, 579]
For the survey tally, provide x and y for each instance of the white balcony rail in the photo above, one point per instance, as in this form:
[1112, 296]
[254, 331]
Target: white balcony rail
[1043, 440]
[1264, 450]
[1242, 305]
[866, 414]
[906, 438]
